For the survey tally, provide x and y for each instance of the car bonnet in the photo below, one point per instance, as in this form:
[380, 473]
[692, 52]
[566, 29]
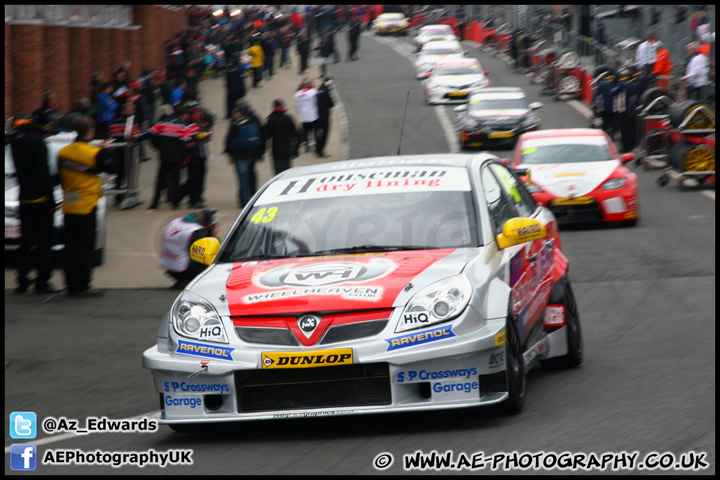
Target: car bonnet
[571, 179]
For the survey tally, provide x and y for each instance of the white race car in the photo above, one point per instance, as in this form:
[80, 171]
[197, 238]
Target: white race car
[389, 284]
[430, 33]
[432, 53]
[452, 80]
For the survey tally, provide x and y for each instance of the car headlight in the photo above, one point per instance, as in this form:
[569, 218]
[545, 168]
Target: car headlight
[195, 317]
[481, 83]
[530, 122]
[614, 183]
[436, 303]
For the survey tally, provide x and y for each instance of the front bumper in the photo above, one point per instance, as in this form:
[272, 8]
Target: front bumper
[490, 136]
[391, 30]
[598, 206]
[459, 369]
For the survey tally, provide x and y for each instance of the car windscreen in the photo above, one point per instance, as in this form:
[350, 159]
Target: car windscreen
[534, 155]
[435, 31]
[323, 222]
[458, 70]
[479, 104]
[434, 50]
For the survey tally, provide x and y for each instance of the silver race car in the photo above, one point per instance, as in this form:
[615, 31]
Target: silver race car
[388, 284]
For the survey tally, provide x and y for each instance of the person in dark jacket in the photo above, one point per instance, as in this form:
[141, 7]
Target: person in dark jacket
[604, 98]
[199, 152]
[235, 83]
[243, 159]
[171, 136]
[280, 127]
[353, 39]
[322, 126]
[303, 49]
[37, 202]
[266, 42]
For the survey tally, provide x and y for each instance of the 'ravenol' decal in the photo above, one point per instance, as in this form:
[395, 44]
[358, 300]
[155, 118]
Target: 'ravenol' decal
[189, 348]
[421, 337]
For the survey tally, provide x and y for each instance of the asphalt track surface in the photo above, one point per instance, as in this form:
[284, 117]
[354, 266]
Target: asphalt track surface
[646, 297]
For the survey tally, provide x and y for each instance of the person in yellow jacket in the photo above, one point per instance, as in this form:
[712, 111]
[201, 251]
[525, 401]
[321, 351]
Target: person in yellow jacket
[258, 58]
[79, 168]
[663, 66]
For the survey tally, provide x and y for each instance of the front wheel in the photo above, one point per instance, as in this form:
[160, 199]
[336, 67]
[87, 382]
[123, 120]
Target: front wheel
[516, 381]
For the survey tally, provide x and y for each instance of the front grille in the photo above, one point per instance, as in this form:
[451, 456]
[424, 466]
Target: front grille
[323, 387]
[353, 331]
[267, 336]
[577, 213]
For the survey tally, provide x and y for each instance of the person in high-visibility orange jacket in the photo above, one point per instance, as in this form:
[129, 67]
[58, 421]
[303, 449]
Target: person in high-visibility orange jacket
[663, 66]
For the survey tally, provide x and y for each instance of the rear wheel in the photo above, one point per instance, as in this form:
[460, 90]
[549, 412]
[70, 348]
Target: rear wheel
[566, 297]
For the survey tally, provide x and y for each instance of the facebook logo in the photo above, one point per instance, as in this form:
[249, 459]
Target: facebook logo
[23, 456]
[23, 425]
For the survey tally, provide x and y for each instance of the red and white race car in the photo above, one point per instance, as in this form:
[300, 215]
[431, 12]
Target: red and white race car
[578, 174]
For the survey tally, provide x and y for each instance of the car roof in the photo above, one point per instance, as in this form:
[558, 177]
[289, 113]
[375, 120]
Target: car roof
[392, 15]
[426, 160]
[459, 61]
[439, 26]
[564, 132]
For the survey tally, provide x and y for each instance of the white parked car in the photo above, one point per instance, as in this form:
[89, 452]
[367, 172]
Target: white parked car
[430, 33]
[432, 53]
[452, 80]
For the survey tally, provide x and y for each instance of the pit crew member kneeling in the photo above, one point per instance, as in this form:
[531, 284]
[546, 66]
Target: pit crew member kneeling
[178, 235]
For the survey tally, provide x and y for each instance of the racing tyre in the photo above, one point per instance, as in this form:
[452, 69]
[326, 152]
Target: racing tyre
[681, 110]
[690, 157]
[600, 69]
[649, 96]
[563, 295]
[515, 373]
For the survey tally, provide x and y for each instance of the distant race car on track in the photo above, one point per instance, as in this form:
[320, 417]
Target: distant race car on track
[495, 117]
[388, 284]
[579, 175]
[432, 53]
[452, 80]
[391, 23]
[429, 33]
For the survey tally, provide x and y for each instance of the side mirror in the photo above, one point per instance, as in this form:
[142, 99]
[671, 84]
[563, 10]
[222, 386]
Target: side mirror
[427, 75]
[505, 161]
[520, 230]
[627, 157]
[486, 72]
[205, 250]
[535, 105]
[461, 108]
